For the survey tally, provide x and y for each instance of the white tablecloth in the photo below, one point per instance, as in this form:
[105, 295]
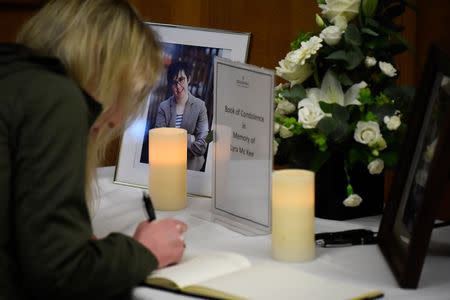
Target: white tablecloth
[119, 209]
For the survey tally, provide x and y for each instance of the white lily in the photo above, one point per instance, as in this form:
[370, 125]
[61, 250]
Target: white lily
[331, 91]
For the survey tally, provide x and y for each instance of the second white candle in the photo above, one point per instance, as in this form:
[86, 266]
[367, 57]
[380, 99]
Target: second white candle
[293, 215]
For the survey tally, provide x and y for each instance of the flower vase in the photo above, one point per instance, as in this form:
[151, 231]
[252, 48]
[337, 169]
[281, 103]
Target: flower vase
[331, 191]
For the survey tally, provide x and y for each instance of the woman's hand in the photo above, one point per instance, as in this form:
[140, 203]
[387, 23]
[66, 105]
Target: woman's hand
[163, 238]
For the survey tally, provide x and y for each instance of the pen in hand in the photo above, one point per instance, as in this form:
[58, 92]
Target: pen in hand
[148, 207]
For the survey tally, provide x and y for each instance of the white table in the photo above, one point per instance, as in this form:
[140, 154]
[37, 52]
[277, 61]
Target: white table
[119, 209]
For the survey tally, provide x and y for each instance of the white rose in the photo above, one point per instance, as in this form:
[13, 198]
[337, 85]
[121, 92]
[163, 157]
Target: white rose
[340, 22]
[387, 69]
[370, 61]
[307, 49]
[376, 166]
[309, 113]
[392, 123]
[275, 147]
[352, 200]
[379, 144]
[276, 128]
[284, 107]
[367, 132]
[346, 8]
[331, 35]
[293, 67]
[294, 73]
[285, 132]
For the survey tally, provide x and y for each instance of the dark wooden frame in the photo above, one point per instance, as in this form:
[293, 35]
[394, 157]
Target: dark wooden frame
[22, 4]
[404, 257]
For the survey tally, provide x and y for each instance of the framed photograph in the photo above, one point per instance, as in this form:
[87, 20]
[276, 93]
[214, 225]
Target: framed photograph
[421, 177]
[188, 55]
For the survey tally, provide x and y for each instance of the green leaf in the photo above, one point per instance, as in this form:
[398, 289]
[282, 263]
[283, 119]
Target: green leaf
[382, 99]
[390, 158]
[404, 93]
[291, 121]
[349, 190]
[340, 131]
[369, 7]
[344, 79]
[295, 94]
[337, 111]
[318, 160]
[398, 37]
[333, 127]
[373, 23]
[320, 140]
[325, 107]
[338, 55]
[340, 112]
[369, 31]
[379, 43]
[370, 116]
[209, 137]
[365, 96]
[382, 111]
[352, 35]
[307, 158]
[355, 57]
[298, 92]
[326, 125]
[301, 37]
[355, 155]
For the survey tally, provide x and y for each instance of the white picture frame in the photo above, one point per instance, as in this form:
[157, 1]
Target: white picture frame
[176, 41]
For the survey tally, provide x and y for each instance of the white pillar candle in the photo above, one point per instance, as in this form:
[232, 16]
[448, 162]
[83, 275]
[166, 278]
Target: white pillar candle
[167, 168]
[293, 215]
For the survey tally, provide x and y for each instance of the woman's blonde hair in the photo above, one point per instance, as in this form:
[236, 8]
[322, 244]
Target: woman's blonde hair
[107, 49]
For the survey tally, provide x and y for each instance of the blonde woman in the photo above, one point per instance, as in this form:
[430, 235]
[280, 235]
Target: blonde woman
[81, 68]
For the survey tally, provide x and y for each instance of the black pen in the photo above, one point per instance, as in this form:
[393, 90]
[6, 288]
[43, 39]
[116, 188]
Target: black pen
[346, 238]
[373, 297]
[148, 207]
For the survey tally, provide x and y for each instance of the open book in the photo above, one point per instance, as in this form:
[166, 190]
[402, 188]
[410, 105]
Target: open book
[228, 275]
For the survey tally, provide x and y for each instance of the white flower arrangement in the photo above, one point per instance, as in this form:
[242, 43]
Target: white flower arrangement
[352, 200]
[376, 166]
[331, 35]
[387, 69]
[344, 8]
[309, 112]
[336, 99]
[370, 61]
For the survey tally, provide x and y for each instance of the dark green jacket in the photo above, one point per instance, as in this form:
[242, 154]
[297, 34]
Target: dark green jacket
[45, 229]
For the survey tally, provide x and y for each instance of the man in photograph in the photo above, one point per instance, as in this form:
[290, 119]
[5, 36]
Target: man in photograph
[183, 110]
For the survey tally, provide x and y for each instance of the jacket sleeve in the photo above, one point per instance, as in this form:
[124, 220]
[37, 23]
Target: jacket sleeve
[161, 120]
[52, 224]
[197, 145]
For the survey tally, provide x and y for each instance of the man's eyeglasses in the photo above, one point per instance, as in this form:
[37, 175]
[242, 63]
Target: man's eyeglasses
[180, 80]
